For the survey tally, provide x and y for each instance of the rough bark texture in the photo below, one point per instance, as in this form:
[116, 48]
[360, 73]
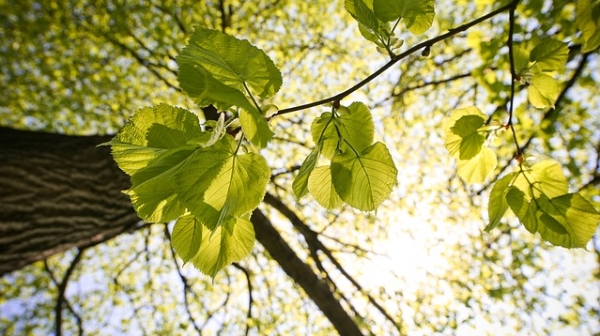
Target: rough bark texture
[59, 192]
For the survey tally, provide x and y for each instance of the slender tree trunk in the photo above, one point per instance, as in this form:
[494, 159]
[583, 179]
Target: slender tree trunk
[57, 192]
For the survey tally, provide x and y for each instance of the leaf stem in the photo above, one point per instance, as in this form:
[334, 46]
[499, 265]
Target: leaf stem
[397, 58]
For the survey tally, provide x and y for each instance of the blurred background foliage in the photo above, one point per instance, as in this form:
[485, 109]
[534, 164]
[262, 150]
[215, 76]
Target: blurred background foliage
[83, 67]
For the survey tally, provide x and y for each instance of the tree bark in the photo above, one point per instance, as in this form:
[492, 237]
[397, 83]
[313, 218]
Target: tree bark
[58, 192]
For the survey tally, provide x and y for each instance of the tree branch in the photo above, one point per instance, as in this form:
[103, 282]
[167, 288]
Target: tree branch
[303, 275]
[398, 58]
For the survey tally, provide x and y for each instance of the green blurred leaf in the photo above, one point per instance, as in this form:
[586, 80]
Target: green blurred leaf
[321, 187]
[472, 141]
[543, 91]
[234, 63]
[478, 168]
[187, 237]
[568, 220]
[549, 55]
[497, 204]
[525, 211]
[228, 243]
[521, 58]
[366, 180]
[462, 139]
[300, 185]
[417, 14]
[546, 177]
[588, 21]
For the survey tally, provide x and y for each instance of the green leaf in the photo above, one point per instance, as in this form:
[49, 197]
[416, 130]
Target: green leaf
[354, 127]
[472, 141]
[525, 211]
[150, 132]
[588, 21]
[568, 220]
[256, 128]
[228, 243]
[547, 179]
[478, 168]
[205, 90]
[300, 185]
[521, 59]
[187, 237]
[364, 181]
[236, 190]
[550, 55]
[234, 63]
[324, 134]
[462, 139]
[543, 91]
[417, 14]
[154, 194]
[321, 186]
[497, 204]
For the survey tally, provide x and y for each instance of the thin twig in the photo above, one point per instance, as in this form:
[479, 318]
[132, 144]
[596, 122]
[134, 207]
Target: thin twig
[396, 59]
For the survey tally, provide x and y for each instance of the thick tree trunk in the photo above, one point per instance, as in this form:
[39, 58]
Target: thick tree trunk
[59, 192]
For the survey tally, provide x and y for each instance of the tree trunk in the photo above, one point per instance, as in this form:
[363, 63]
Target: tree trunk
[57, 192]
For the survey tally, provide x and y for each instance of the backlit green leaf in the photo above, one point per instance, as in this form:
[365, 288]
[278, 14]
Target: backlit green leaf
[526, 212]
[478, 168]
[568, 220]
[354, 127]
[187, 237]
[364, 181]
[154, 193]
[300, 185]
[229, 243]
[255, 127]
[417, 14]
[321, 187]
[462, 139]
[236, 190]
[234, 63]
[543, 91]
[588, 21]
[149, 133]
[204, 89]
[547, 179]
[472, 141]
[497, 204]
[550, 55]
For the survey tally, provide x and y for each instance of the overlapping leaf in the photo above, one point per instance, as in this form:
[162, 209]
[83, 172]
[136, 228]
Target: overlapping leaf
[232, 62]
[366, 180]
[568, 220]
[417, 14]
[588, 21]
[300, 185]
[228, 243]
[219, 69]
[321, 187]
[497, 204]
[352, 128]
